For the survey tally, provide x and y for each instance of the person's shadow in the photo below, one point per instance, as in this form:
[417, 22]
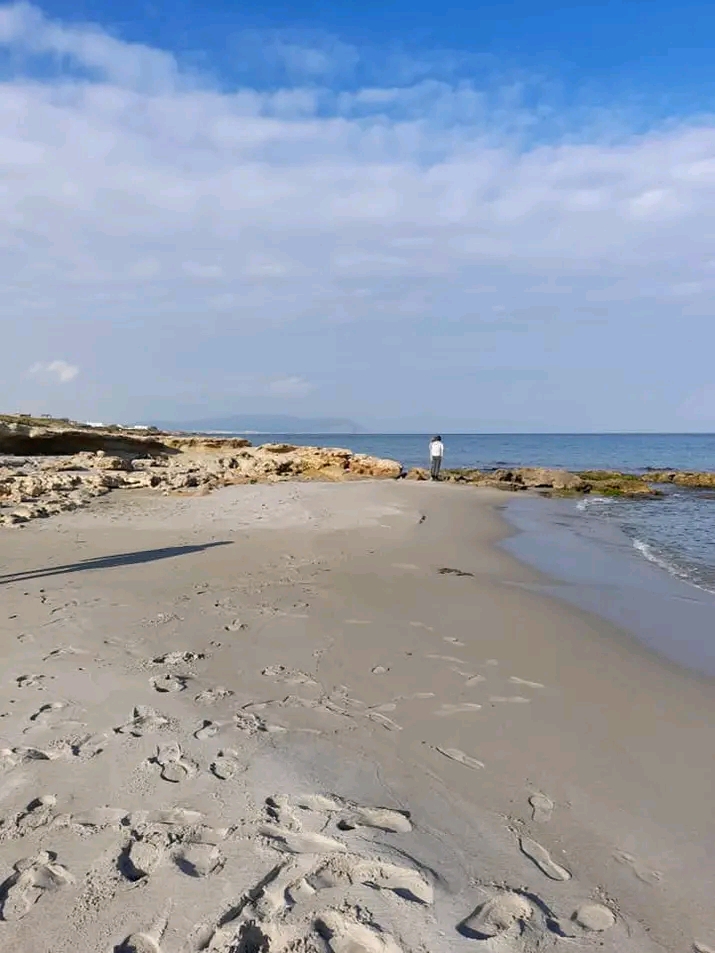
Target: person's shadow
[112, 562]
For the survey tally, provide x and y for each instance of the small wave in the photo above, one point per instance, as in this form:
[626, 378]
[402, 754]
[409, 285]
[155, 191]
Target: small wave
[673, 569]
[590, 501]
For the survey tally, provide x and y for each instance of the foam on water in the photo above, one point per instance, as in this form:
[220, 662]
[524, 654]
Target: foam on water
[590, 502]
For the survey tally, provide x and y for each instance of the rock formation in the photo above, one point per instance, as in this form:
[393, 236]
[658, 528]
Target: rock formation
[553, 482]
[50, 469]
[48, 466]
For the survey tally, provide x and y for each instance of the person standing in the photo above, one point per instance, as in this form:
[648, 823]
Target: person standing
[436, 452]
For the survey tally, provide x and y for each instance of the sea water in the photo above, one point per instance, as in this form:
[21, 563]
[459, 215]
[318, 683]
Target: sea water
[676, 533]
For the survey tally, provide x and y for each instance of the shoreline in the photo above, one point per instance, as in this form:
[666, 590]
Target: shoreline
[506, 722]
[598, 569]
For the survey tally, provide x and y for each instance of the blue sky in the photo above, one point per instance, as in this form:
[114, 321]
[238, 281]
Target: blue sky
[498, 217]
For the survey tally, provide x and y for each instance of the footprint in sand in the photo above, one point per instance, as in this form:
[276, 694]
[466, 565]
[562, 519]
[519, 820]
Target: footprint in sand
[40, 812]
[85, 746]
[176, 658]
[173, 817]
[509, 699]
[541, 808]
[454, 754]
[10, 757]
[446, 710]
[522, 681]
[346, 870]
[56, 714]
[447, 658]
[97, 818]
[380, 719]
[63, 650]
[380, 818]
[297, 842]
[380, 670]
[279, 673]
[199, 860]
[594, 917]
[140, 943]
[208, 729]
[472, 679]
[145, 854]
[235, 626]
[169, 683]
[643, 873]
[226, 764]
[318, 803]
[280, 812]
[31, 880]
[348, 936]
[30, 681]
[210, 696]
[251, 724]
[174, 766]
[353, 815]
[449, 638]
[144, 721]
[542, 858]
[496, 916]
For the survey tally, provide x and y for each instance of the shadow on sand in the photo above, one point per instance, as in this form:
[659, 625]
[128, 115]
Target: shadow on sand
[112, 562]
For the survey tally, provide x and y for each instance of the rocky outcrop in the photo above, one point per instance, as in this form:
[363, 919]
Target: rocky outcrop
[20, 437]
[34, 486]
[540, 478]
[613, 483]
[701, 481]
[552, 482]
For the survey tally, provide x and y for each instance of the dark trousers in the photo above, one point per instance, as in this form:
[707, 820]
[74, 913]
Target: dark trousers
[435, 468]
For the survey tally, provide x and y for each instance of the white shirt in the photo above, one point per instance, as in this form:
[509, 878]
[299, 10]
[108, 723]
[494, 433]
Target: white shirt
[436, 448]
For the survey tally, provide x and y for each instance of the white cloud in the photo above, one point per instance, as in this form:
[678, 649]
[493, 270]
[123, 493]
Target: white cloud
[146, 203]
[25, 28]
[59, 371]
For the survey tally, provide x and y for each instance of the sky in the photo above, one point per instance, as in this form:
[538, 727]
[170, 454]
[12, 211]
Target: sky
[489, 217]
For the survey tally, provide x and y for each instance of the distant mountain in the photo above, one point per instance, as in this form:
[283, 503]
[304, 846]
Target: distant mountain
[264, 423]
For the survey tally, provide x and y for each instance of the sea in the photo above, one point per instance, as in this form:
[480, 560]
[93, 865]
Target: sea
[647, 565]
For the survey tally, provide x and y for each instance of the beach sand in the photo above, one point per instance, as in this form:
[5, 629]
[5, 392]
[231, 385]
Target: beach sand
[306, 717]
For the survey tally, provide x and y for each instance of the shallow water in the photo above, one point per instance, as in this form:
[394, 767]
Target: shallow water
[594, 564]
[676, 533]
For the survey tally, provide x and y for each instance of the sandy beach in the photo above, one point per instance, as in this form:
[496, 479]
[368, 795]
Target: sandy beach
[334, 717]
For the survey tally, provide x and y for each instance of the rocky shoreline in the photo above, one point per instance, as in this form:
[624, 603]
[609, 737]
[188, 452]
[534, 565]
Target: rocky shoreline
[49, 467]
[45, 470]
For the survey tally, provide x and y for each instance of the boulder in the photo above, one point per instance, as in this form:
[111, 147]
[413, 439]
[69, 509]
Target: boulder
[552, 479]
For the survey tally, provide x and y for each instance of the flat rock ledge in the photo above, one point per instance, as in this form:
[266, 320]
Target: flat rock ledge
[565, 483]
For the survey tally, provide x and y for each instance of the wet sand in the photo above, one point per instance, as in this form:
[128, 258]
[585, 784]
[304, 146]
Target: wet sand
[307, 717]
